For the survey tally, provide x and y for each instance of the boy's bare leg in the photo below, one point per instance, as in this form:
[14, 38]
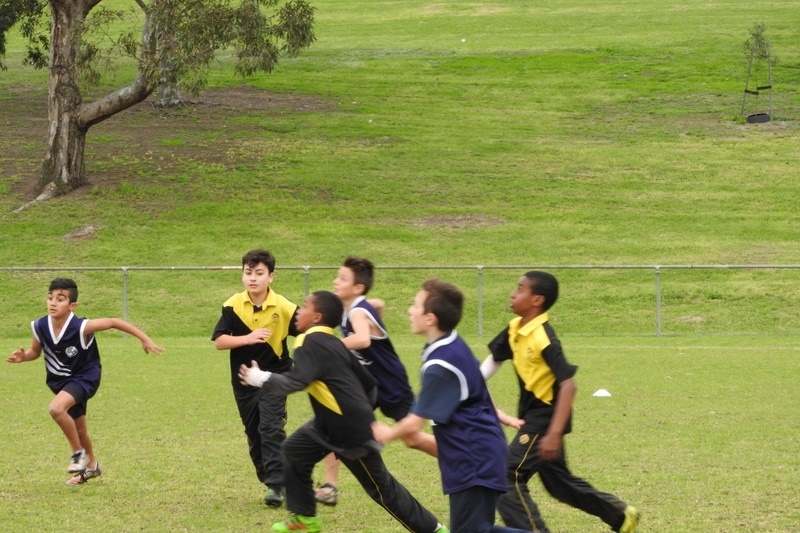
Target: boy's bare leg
[58, 410]
[86, 441]
[332, 469]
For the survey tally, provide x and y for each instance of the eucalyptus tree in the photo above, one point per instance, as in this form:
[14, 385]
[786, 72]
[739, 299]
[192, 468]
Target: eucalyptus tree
[173, 42]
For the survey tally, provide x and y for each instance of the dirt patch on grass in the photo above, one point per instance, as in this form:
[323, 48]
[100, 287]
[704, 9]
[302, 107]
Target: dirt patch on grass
[143, 132]
[458, 222]
[254, 99]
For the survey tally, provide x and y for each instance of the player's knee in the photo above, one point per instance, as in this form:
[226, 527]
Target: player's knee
[56, 410]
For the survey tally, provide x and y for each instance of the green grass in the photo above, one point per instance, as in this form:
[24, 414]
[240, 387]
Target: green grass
[608, 132]
[700, 434]
[434, 134]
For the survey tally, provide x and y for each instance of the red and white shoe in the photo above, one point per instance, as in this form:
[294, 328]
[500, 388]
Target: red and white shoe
[86, 475]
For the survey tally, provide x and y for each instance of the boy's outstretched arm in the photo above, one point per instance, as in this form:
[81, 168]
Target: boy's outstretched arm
[409, 430]
[361, 336]
[489, 367]
[252, 375]
[102, 324]
[508, 420]
[550, 447]
[21, 355]
[378, 304]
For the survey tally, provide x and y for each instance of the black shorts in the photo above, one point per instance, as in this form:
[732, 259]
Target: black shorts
[81, 396]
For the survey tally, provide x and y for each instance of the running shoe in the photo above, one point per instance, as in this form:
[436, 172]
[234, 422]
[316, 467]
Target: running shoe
[298, 522]
[78, 462]
[631, 520]
[86, 475]
[274, 496]
[327, 494]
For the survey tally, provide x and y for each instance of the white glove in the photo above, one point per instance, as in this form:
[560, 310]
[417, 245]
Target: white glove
[253, 375]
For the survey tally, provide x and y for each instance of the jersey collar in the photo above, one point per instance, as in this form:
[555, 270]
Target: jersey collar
[319, 329]
[515, 328]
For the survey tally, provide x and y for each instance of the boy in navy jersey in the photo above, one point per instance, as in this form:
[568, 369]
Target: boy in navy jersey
[254, 326]
[547, 390]
[72, 361]
[364, 333]
[471, 444]
[342, 395]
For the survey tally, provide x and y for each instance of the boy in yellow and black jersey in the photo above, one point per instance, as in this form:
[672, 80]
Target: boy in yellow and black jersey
[254, 326]
[342, 395]
[547, 390]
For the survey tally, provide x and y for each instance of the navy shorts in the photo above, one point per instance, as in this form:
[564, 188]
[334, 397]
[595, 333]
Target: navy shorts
[81, 396]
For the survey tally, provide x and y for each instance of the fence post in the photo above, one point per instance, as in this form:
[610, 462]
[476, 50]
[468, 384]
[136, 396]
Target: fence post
[125, 296]
[658, 301]
[306, 276]
[480, 300]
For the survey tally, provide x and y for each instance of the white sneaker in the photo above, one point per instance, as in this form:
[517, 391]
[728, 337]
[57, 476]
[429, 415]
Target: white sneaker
[327, 494]
[86, 475]
[79, 461]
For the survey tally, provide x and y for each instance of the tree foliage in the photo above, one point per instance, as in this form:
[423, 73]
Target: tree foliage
[173, 42]
[29, 15]
[757, 46]
[189, 34]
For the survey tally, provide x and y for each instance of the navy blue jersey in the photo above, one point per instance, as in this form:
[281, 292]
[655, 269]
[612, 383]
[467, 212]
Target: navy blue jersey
[68, 356]
[380, 358]
[454, 396]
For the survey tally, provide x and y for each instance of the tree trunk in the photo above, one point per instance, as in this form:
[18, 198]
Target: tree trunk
[63, 168]
[69, 118]
[168, 94]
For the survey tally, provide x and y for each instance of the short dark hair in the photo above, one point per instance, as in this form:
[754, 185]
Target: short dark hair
[254, 257]
[65, 284]
[445, 301]
[544, 284]
[329, 306]
[363, 271]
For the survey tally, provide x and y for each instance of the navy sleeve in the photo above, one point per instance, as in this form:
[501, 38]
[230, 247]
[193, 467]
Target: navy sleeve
[440, 395]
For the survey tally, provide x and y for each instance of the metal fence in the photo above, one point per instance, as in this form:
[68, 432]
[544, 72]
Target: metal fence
[722, 299]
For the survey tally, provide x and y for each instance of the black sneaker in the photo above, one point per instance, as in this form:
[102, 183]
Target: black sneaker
[274, 496]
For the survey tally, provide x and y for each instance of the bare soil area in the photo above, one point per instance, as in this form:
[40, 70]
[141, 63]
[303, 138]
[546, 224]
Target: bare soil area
[144, 127]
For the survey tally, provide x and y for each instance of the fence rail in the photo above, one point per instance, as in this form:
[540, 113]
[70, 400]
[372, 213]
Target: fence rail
[480, 273]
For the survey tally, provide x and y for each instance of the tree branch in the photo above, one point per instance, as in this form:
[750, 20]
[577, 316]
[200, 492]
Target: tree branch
[99, 110]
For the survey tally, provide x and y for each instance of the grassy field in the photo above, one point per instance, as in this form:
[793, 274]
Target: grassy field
[702, 436]
[445, 134]
[430, 134]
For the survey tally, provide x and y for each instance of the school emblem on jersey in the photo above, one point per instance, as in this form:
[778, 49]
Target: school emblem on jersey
[524, 439]
[275, 318]
[71, 351]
